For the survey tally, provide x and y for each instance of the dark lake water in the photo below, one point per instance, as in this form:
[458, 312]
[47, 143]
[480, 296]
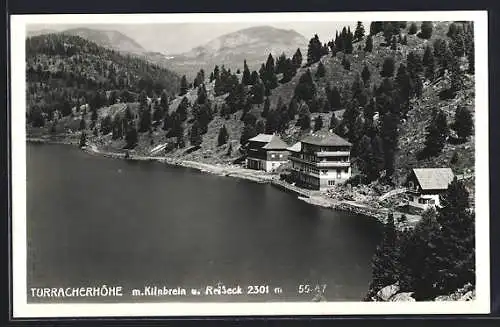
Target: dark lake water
[94, 221]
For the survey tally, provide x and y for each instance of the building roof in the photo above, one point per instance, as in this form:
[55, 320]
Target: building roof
[262, 138]
[276, 143]
[296, 147]
[434, 178]
[325, 138]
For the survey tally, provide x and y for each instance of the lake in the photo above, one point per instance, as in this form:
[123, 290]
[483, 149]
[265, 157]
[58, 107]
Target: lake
[93, 221]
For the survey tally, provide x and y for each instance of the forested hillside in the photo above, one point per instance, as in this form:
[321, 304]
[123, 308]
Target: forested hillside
[64, 72]
[402, 93]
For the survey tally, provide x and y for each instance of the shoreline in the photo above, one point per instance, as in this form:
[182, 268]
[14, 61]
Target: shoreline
[315, 198]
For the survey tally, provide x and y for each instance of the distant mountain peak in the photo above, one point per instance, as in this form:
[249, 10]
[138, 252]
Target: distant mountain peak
[256, 40]
[252, 44]
[111, 39]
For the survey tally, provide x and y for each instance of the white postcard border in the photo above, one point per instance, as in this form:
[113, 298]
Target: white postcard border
[21, 309]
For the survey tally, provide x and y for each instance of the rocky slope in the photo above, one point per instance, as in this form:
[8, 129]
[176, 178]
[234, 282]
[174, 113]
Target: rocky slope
[392, 293]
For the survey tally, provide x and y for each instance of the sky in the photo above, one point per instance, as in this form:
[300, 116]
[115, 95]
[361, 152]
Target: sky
[177, 38]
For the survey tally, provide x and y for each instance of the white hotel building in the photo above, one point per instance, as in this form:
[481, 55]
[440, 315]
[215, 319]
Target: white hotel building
[320, 160]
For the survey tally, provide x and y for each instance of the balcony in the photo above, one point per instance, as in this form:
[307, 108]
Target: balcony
[321, 163]
[333, 154]
[333, 164]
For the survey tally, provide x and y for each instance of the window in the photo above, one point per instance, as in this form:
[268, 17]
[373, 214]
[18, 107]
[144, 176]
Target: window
[330, 183]
[273, 155]
[338, 173]
[281, 156]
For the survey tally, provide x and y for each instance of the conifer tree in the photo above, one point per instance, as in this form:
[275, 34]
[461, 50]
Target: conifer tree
[216, 72]
[254, 78]
[385, 267]
[436, 135]
[369, 152]
[82, 124]
[246, 79]
[429, 63]
[455, 77]
[463, 124]
[387, 67]
[346, 63]
[292, 109]
[348, 41]
[257, 92]
[180, 142]
[359, 33]
[83, 139]
[369, 44]
[413, 29]
[260, 127]
[376, 27]
[182, 109]
[320, 72]
[289, 71]
[469, 48]
[272, 123]
[145, 119]
[339, 40]
[425, 30]
[356, 87]
[389, 134]
[184, 86]
[280, 64]
[94, 116]
[131, 137]
[369, 111]
[334, 122]
[106, 125]
[417, 256]
[314, 50]
[349, 119]
[167, 122]
[267, 105]
[269, 77]
[455, 259]
[414, 63]
[394, 45]
[297, 59]
[195, 137]
[390, 29]
[336, 101]
[318, 123]
[365, 74]
[304, 120]
[403, 85]
[444, 56]
[305, 89]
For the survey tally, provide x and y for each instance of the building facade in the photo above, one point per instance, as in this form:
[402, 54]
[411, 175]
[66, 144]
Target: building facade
[424, 185]
[266, 152]
[320, 161]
